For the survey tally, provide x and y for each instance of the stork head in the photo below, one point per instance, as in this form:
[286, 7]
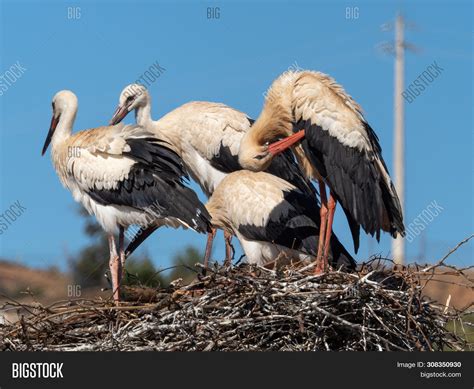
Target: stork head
[254, 154]
[133, 96]
[64, 103]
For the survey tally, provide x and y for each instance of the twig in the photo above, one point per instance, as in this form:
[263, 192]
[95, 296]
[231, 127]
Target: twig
[441, 261]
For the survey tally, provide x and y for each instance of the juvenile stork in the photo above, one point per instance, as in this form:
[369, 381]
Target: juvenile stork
[123, 175]
[338, 148]
[272, 219]
[207, 137]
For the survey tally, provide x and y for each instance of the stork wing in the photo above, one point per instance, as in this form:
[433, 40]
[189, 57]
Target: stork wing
[214, 130]
[128, 166]
[263, 207]
[346, 152]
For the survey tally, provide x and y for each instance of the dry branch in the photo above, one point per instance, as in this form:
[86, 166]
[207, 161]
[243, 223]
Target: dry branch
[249, 308]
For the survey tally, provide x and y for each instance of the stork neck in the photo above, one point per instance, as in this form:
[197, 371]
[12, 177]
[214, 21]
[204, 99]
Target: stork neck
[143, 115]
[270, 125]
[64, 128]
[276, 117]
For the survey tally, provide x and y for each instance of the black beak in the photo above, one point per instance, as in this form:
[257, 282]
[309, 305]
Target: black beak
[119, 114]
[52, 128]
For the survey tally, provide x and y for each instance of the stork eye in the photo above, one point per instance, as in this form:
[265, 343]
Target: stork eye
[260, 156]
[129, 98]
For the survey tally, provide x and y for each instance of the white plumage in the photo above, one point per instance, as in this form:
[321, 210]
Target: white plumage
[123, 175]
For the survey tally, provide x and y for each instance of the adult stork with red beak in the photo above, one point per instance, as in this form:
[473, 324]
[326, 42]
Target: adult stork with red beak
[334, 145]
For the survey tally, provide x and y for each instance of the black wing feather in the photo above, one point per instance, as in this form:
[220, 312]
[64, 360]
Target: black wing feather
[225, 161]
[297, 228]
[354, 179]
[285, 166]
[155, 184]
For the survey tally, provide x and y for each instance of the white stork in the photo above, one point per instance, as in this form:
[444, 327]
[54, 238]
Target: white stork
[273, 219]
[338, 148]
[123, 175]
[207, 137]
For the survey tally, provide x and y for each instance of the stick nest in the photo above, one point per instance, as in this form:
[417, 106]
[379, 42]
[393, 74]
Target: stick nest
[246, 308]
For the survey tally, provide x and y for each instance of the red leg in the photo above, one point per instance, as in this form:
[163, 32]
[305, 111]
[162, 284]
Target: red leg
[327, 239]
[322, 228]
[229, 250]
[122, 248]
[210, 239]
[115, 269]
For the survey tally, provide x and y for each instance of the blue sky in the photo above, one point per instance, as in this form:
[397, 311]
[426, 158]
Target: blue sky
[232, 60]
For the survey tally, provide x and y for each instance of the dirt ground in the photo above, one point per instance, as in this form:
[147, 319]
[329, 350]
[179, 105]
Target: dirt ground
[29, 285]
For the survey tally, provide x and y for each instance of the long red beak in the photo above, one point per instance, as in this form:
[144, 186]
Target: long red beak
[285, 143]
